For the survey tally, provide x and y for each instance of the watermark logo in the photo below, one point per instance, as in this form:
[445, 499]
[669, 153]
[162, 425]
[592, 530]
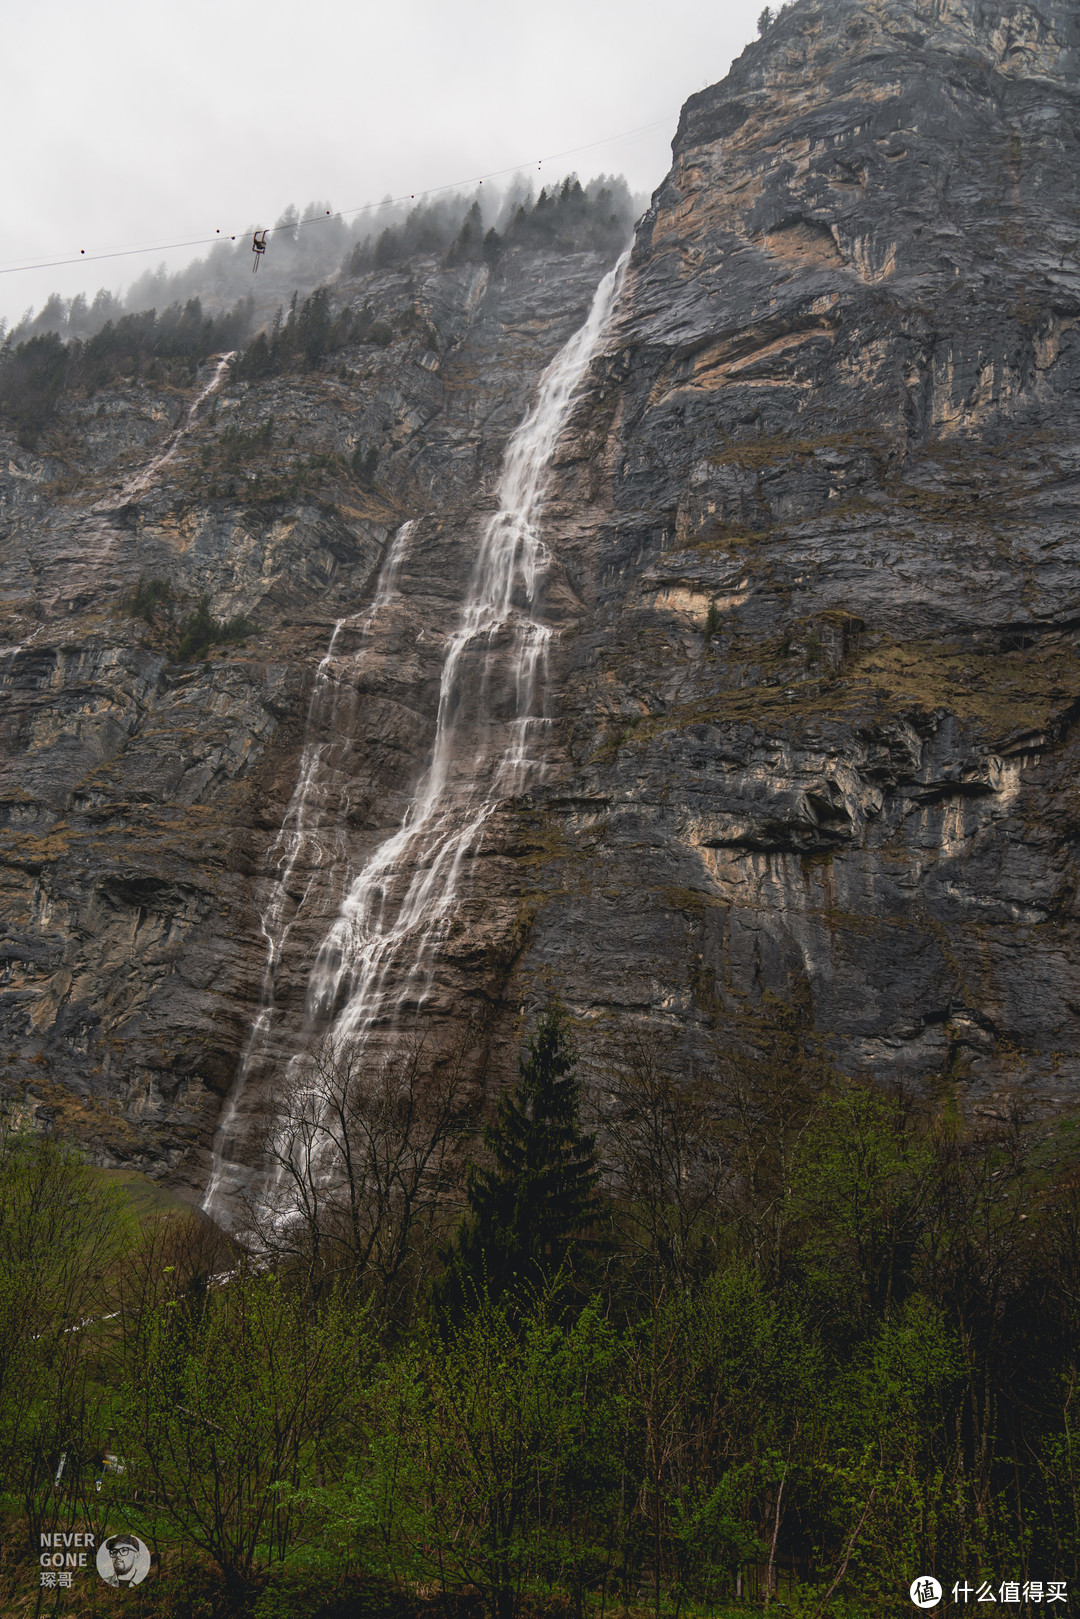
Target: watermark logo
[62, 1554]
[1014, 1591]
[926, 1592]
[123, 1560]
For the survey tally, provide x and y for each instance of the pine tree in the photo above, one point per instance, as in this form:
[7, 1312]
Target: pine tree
[539, 1194]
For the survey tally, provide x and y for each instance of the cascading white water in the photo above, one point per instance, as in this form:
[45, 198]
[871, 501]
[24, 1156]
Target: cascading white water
[300, 834]
[142, 480]
[395, 913]
[93, 541]
[305, 839]
[406, 891]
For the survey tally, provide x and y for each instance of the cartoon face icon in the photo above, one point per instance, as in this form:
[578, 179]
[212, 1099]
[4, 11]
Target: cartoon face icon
[123, 1560]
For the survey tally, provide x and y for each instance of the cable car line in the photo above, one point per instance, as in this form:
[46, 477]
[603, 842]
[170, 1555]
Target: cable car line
[83, 257]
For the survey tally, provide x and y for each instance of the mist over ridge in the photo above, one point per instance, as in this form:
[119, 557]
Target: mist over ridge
[317, 245]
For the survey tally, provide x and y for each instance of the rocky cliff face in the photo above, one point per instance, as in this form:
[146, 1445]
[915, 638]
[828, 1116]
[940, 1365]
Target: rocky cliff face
[813, 546]
[143, 793]
[821, 518]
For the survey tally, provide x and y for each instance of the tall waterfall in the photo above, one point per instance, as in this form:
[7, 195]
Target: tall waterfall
[396, 911]
[308, 834]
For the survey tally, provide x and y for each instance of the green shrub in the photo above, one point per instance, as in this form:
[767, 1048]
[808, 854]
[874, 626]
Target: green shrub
[200, 630]
[150, 597]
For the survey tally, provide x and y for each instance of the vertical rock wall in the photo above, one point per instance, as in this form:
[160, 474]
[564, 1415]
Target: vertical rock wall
[142, 792]
[820, 526]
[814, 540]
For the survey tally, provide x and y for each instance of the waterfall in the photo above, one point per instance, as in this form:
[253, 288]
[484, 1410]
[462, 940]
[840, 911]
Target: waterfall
[396, 911]
[93, 541]
[142, 480]
[303, 831]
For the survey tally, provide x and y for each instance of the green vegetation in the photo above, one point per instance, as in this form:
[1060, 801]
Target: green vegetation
[1003, 689]
[769, 16]
[567, 219]
[538, 1196]
[70, 350]
[234, 446]
[306, 475]
[570, 219]
[1005, 686]
[246, 466]
[149, 598]
[768, 1330]
[199, 631]
[304, 338]
[37, 374]
[191, 636]
[42, 370]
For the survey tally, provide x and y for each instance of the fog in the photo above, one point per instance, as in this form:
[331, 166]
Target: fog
[140, 125]
[305, 250]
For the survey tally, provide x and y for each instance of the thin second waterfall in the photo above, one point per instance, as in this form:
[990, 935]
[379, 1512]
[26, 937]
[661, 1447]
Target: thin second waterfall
[379, 955]
[312, 832]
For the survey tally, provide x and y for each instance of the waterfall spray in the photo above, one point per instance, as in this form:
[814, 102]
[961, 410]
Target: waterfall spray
[303, 832]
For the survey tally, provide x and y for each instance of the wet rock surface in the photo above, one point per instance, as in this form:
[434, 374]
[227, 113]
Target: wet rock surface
[813, 535]
[820, 516]
[141, 791]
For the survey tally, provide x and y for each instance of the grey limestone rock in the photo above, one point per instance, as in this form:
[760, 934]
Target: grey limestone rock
[814, 531]
[822, 528]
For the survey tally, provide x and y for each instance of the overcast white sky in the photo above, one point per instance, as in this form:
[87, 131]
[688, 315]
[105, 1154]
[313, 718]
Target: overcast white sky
[132, 122]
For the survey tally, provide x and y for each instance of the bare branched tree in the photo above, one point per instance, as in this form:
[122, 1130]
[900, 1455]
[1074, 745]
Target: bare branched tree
[660, 1143]
[365, 1167]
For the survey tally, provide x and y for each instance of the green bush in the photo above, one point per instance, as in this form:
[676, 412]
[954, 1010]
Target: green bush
[150, 597]
[200, 630]
[61, 1235]
[831, 1332]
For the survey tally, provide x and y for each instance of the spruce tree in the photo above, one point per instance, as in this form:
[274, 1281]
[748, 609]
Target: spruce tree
[539, 1193]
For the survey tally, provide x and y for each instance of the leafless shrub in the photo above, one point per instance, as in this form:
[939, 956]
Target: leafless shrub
[365, 1167]
[659, 1140]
